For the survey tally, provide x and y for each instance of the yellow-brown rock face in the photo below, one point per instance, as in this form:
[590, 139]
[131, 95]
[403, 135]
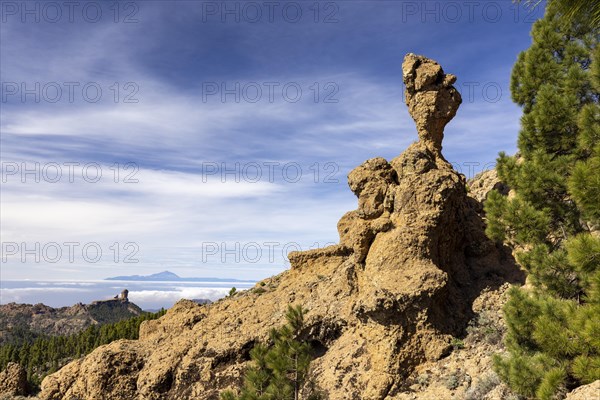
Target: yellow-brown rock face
[400, 284]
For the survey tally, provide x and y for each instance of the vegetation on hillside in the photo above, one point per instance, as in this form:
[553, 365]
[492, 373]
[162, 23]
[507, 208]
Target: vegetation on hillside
[43, 355]
[24, 322]
[106, 312]
[553, 219]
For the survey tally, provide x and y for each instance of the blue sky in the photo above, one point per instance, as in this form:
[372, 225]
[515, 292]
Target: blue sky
[164, 122]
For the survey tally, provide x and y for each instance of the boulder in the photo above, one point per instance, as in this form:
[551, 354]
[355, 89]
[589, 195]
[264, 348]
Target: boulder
[13, 380]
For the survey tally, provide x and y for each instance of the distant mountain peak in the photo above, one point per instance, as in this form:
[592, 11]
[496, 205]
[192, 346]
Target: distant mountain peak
[165, 274]
[169, 276]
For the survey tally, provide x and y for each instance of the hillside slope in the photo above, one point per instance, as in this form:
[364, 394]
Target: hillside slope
[19, 321]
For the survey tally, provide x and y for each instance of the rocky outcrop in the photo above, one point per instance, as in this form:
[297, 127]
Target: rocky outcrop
[483, 183]
[587, 392]
[39, 319]
[411, 261]
[467, 373]
[13, 380]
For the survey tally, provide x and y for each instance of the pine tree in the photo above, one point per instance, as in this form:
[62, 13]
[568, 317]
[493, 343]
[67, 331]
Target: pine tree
[588, 10]
[278, 371]
[553, 337]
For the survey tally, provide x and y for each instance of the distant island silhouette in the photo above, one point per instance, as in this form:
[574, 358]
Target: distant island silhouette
[168, 276]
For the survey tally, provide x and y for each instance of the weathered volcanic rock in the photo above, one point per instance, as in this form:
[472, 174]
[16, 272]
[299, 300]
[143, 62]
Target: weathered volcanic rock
[13, 380]
[483, 183]
[400, 284]
[587, 392]
[431, 99]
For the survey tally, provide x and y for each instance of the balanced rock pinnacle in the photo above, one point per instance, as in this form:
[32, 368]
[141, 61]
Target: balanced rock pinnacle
[389, 298]
[431, 99]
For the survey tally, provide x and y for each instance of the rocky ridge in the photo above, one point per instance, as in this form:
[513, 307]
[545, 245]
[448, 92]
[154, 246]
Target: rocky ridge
[40, 319]
[404, 281]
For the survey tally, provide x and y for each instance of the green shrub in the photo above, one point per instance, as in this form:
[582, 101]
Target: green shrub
[278, 371]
